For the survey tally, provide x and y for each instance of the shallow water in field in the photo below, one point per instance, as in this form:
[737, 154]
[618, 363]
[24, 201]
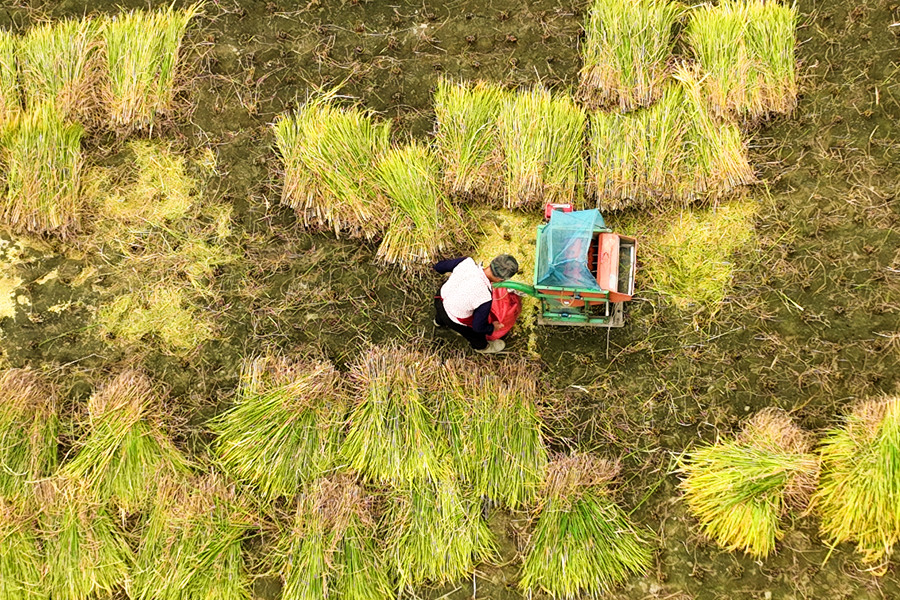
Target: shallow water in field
[811, 324]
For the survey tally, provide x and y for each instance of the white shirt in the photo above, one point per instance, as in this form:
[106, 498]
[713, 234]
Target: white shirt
[466, 289]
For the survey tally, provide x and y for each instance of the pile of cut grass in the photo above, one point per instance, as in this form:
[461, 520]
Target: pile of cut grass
[495, 430]
[626, 51]
[21, 559]
[42, 155]
[333, 548]
[57, 65]
[10, 101]
[858, 498]
[86, 552]
[393, 438]
[142, 59]
[190, 546]
[739, 489]
[746, 49]
[435, 533]
[28, 432]
[124, 452]
[542, 138]
[423, 222]
[466, 137]
[285, 427]
[330, 155]
[583, 544]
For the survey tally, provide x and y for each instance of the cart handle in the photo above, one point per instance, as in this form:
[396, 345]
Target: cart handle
[517, 286]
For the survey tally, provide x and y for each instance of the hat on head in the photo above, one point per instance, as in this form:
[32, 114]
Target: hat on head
[504, 266]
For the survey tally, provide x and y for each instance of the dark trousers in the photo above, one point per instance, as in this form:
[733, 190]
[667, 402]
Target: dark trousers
[477, 340]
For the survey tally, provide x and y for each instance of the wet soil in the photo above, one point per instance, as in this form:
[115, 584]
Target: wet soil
[811, 324]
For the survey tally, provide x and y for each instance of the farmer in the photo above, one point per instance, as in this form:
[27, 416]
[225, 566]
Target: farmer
[464, 302]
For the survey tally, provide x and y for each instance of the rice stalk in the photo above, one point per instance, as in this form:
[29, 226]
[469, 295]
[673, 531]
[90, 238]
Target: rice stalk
[739, 489]
[57, 65]
[285, 427]
[10, 100]
[124, 454]
[625, 54]
[583, 543]
[392, 437]
[330, 154]
[858, 498]
[28, 432]
[436, 533]
[190, 546]
[21, 559]
[43, 160]
[423, 222]
[87, 555]
[466, 137]
[541, 137]
[142, 58]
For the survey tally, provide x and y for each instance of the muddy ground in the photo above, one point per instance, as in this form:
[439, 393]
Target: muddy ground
[811, 323]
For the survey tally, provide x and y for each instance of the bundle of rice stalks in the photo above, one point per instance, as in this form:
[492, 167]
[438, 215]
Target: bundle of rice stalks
[21, 561]
[42, 153]
[746, 49]
[466, 137]
[583, 544]
[739, 489]
[142, 58]
[393, 437]
[10, 103]
[494, 429]
[190, 546]
[436, 533]
[28, 428]
[285, 427]
[124, 453]
[626, 51]
[329, 155]
[87, 555]
[333, 549]
[542, 139]
[423, 222]
[57, 64]
[858, 497]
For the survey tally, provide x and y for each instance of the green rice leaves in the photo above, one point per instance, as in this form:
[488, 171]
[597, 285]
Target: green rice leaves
[285, 428]
[21, 559]
[858, 497]
[10, 100]
[739, 489]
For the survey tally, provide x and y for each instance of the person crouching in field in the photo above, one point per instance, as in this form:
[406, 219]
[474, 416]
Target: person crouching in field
[464, 302]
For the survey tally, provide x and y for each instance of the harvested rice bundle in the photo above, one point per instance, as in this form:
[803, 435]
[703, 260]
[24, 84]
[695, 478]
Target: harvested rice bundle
[57, 64]
[626, 52]
[43, 160]
[393, 438]
[87, 555]
[333, 549]
[436, 533]
[285, 427]
[124, 452]
[21, 560]
[190, 547]
[746, 49]
[423, 222]
[142, 58]
[466, 137]
[28, 429]
[858, 497]
[10, 104]
[584, 544]
[494, 429]
[542, 139]
[739, 489]
[329, 155]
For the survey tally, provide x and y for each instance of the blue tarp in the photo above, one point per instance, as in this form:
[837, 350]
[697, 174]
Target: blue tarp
[563, 248]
